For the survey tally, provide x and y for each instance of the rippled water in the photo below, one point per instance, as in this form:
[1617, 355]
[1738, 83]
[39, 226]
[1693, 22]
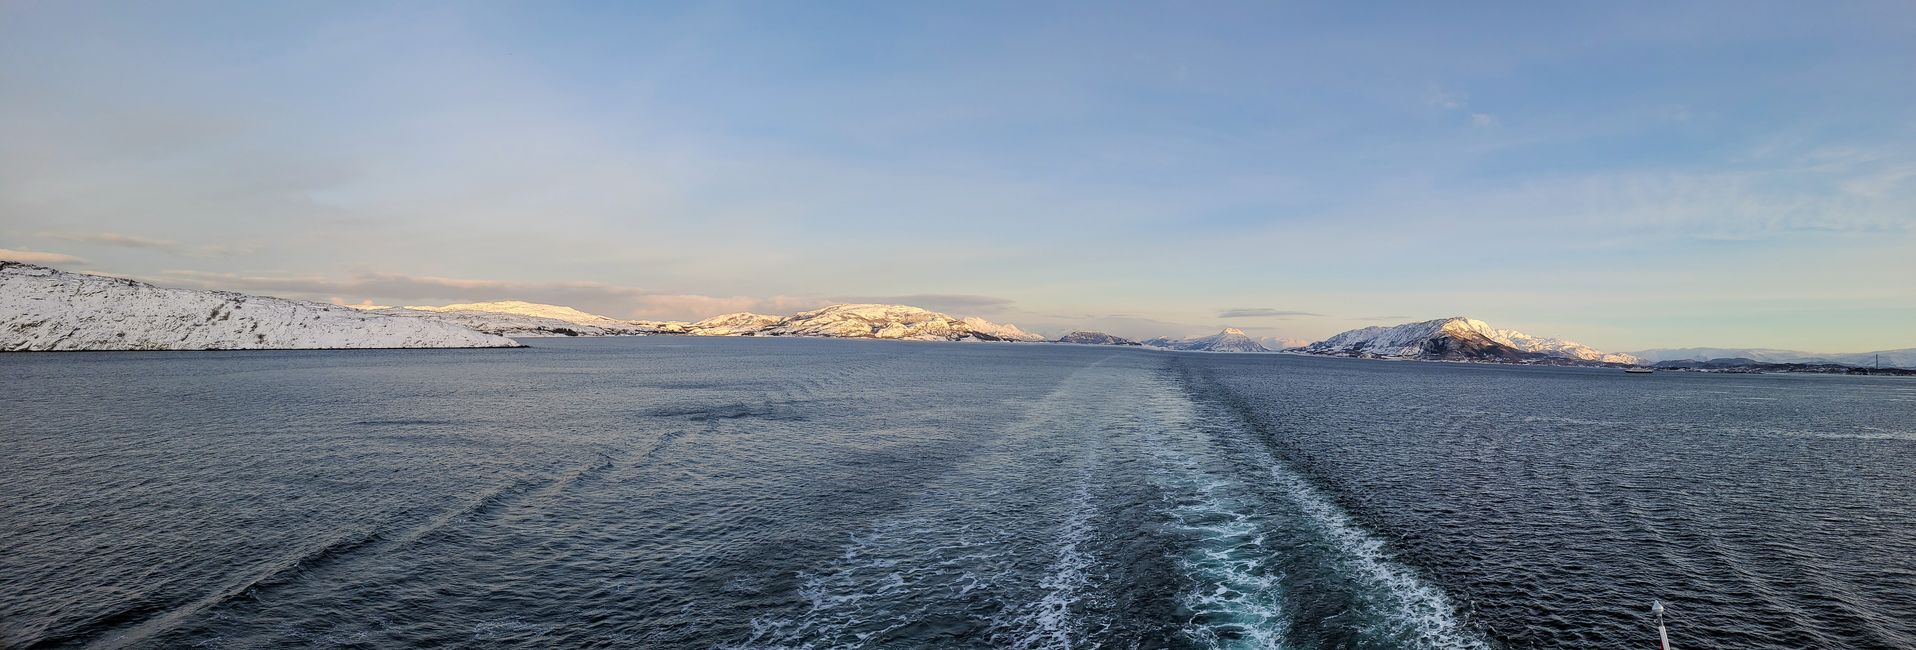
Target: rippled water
[741, 493]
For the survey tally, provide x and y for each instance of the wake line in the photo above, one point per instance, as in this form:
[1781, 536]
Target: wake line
[371, 539]
[279, 572]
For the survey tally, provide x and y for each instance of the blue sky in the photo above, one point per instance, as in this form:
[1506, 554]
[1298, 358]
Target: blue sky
[1628, 175]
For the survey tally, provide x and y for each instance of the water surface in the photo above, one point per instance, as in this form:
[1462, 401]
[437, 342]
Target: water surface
[717, 493]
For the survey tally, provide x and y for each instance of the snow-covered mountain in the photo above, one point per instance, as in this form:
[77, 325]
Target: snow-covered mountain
[519, 318]
[1458, 338]
[1903, 358]
[46, 309]
[1094, 338]
[1230, 340]
[893, 322]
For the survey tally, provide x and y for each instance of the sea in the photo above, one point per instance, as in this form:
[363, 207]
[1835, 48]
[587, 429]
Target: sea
[679, 492]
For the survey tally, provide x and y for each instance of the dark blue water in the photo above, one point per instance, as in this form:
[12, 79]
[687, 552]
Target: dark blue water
[741, 493]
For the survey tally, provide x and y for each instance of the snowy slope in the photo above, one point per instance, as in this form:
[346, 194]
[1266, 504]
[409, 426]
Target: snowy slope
[45, 309]
[1457, 338]
[1555, 347]
[893, 322]
[989, 331]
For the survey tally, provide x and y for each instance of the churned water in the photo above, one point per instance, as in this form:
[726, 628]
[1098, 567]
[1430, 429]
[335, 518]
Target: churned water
[749, 493]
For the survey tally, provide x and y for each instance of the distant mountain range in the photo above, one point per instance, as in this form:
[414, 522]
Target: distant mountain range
[517, 318]
[892, 322]
[48, 309]
[866, 321]
[1094, 338]
[1903, 358]
[1230, 340]
[1460, 339]
[1745, 364]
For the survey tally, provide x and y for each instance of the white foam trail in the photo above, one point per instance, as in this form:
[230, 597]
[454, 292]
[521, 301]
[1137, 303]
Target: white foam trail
[949, 560]
[891, 576]
[1405, 609]
[1238, 600]
[1236, 597]
[1049, 623]
[1238, 592]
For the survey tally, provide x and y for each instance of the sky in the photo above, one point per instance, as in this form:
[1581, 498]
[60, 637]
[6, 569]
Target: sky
[1628, 175]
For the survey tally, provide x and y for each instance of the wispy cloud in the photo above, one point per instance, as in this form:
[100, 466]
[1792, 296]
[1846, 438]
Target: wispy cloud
[39, 257]
[1451, 99]
[1880, 184]
[1446, 98]
[148, 243]
[1262, 312]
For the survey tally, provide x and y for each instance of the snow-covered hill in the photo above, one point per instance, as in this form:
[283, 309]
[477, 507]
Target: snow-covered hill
[1094, 338]
[1230, 340]
[1903, 358]
[1458, 338]
[46, 309]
